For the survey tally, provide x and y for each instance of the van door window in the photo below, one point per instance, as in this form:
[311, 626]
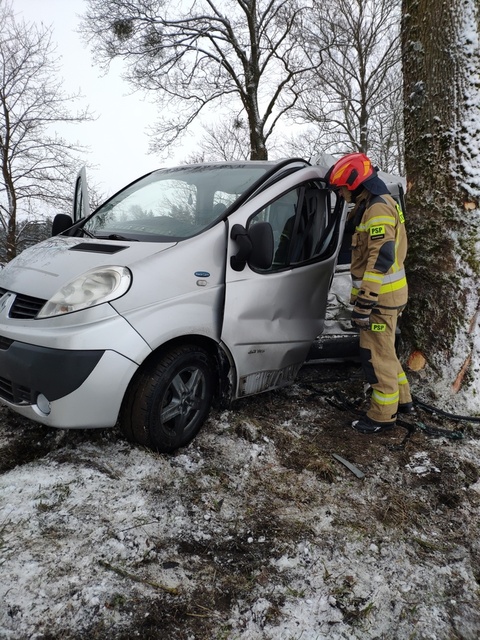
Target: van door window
[299, 219]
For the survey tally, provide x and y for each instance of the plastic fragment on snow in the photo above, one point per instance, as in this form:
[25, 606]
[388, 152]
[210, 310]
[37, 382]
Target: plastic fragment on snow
[351, 467]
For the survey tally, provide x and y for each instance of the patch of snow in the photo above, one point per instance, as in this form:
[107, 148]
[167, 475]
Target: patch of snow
[89, 528]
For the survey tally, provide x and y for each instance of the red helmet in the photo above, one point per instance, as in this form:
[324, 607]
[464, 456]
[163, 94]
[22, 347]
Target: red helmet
[350, 171]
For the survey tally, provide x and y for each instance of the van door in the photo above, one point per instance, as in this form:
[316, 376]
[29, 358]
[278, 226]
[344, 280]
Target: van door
[272, 315]
[81, 207]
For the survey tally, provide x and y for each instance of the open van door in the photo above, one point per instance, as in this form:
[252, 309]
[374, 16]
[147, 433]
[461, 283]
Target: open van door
[275, 305]
[81, 206]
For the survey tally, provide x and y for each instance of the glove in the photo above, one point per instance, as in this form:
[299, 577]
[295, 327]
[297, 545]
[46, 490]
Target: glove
[360, 319]
[361, 313]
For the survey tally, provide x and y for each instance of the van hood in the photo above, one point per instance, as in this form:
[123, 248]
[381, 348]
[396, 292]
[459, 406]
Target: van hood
[59, 259]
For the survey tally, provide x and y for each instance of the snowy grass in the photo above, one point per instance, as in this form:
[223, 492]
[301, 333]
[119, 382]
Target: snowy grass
[253, 532]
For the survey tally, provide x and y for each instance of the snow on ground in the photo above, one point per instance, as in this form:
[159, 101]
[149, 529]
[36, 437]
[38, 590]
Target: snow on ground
[253, 532]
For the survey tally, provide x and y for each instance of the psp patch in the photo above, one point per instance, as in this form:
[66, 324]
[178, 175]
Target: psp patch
[376, 326]
[378, 232]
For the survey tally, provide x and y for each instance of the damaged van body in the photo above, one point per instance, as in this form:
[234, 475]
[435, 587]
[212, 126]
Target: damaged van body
[194, 284]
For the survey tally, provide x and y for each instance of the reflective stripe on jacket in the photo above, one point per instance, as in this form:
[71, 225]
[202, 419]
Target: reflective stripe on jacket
[379, 247]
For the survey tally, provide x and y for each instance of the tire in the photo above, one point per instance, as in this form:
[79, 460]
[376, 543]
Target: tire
[170, 400]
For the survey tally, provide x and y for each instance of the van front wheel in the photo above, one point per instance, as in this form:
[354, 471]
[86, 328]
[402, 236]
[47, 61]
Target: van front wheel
[170, 400]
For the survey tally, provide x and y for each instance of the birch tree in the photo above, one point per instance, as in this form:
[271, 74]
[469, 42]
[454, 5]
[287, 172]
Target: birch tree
[441, 62]
[36, 166]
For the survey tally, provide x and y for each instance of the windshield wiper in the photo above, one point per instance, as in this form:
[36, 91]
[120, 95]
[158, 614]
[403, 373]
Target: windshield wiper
[86, 232]
[116, 236]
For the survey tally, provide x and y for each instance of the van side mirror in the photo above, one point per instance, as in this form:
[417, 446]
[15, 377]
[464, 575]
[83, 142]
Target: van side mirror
[255, 246]
[261, 237]
[61, 223]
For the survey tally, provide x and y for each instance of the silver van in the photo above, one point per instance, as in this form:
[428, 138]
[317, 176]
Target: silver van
[194, 284]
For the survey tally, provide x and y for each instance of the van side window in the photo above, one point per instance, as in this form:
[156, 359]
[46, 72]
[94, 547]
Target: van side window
[298, 219]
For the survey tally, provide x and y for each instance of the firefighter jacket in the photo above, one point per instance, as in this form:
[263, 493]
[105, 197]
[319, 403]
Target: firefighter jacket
[379, 247]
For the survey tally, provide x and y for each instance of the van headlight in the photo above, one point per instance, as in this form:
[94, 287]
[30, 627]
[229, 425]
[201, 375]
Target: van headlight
[91, 288]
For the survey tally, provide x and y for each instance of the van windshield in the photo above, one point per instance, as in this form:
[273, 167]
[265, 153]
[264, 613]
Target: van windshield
[173, 204]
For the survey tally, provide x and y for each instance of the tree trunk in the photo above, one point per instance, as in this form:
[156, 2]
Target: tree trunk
[258, 149]
[11, 244]
[442, 166]
[11, 217]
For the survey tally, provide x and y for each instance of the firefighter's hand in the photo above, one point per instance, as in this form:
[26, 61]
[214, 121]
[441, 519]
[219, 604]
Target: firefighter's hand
[361, 318]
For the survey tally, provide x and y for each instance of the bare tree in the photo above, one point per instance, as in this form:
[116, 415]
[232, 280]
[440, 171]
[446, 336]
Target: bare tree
[227, 140]
[306, 142]
[441, 62]
[355, 93]
[198, 54]
[36, 166]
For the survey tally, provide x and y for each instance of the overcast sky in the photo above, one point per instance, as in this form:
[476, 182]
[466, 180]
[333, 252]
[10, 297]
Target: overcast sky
[117, 140]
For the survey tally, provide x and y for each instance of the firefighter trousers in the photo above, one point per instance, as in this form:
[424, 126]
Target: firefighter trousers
[381, 366]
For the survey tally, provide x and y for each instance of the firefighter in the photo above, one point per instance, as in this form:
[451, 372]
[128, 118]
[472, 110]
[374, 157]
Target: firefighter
[379, 286]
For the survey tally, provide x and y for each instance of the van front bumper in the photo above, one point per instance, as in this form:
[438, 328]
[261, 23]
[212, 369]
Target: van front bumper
[32, 370]
[62, 388]
[69, 371]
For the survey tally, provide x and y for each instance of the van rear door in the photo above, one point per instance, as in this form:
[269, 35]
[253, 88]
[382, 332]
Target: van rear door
[273, 314]
[81, 207]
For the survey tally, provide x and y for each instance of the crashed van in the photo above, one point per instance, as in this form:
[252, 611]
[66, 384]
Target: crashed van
[193, 285]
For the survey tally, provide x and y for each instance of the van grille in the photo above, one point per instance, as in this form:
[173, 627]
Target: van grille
[24, 307]
[15, 393]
